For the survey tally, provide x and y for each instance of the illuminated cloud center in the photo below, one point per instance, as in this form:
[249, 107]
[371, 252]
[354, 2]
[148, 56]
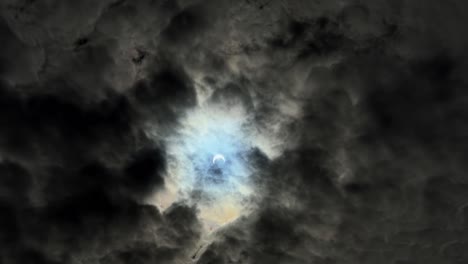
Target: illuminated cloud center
[209, 159]
[212, 157]
[211, 151]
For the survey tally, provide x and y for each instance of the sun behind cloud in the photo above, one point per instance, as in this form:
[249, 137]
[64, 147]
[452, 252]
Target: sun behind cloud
[208, 162]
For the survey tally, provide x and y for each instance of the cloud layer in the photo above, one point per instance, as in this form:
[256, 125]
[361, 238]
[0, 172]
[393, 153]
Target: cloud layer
[358, 113]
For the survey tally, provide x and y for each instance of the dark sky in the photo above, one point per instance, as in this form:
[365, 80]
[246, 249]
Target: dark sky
[368, 98]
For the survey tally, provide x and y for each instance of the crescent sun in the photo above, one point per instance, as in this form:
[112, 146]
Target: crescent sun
[218, 157]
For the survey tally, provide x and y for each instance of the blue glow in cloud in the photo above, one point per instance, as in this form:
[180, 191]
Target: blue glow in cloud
[208, 132]
[221, 188]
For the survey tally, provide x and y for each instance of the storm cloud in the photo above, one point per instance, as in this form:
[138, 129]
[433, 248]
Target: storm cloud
[352, 116]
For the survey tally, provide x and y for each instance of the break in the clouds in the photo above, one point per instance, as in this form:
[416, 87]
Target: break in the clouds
[197, 131]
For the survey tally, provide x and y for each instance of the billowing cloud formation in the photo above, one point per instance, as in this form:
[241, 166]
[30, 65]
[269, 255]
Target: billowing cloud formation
[210, 158]
[356, 154]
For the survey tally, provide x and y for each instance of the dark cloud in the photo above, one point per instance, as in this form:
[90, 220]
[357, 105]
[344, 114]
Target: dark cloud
[372, 168]
[232, 95]
[186, 25]
[380, 151]
[76, 164]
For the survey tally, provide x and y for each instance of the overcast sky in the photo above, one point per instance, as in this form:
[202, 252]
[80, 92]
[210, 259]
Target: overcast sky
[342, 126]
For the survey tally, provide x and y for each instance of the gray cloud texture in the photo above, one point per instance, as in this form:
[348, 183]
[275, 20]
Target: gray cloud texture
[366, 98]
